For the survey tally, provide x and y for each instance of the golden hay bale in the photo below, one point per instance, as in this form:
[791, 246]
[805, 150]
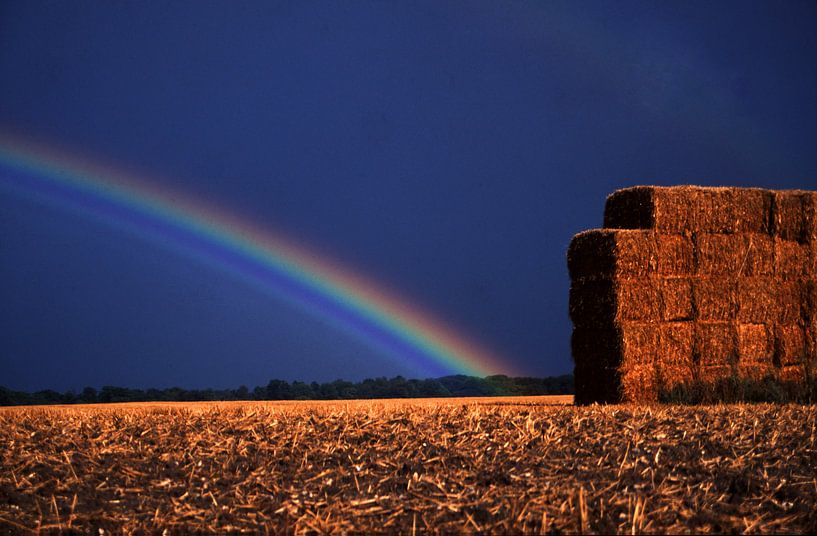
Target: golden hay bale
[795, 374]
[715, 298]
[639, 343]
[714, 374]
[676, 343]
[676, 298]
[793, 215]
[789, 345]
[755, 343]
[675, 366]
[755, 351]
[599, 352]
[680, 209]
[639, 383]
[759, 257]
[752, 210]
[638, 300]
[715, 344]
[719, 254]
[676, 255]
[612, 253]
[735, 255]
[790, 302]
[791, 259]
[768, 300]
[595, 300]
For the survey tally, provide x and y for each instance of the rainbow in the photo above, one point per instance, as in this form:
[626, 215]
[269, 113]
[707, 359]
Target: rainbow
[268, 261]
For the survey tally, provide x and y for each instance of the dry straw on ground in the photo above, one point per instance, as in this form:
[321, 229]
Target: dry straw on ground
[496, 466]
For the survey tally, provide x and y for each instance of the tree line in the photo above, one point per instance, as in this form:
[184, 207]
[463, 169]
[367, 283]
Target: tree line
[397, 387]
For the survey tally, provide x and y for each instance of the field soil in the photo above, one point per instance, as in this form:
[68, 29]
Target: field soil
[525, 465]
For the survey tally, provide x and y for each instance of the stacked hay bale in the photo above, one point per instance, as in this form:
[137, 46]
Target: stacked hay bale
[690, 286]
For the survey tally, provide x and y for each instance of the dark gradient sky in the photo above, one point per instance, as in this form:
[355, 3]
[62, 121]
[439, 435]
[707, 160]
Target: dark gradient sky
[448, 150]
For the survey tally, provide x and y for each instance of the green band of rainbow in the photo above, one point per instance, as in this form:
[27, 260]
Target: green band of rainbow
[256, 255]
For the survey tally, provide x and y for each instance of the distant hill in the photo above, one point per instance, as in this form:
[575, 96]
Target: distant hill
[398, 387]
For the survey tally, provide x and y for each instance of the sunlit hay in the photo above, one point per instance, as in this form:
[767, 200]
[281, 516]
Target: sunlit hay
[676, 299]
[734, 255]
[755, 351]
[715, 344]
[680, 209]
[616, 300]
[612, 254]
[790, 345]
[675, 255]
[791, 259]
[794, 215]
[715, 298]
[758, 300]
[676, 365]
[737, 265]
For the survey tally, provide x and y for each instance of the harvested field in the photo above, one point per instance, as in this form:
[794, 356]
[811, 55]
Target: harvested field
[528, 465]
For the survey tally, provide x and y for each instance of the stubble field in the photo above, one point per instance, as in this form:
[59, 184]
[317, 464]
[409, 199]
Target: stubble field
[524, 465]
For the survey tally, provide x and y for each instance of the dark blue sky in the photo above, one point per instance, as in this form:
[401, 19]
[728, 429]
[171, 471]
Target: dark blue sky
[450, 150]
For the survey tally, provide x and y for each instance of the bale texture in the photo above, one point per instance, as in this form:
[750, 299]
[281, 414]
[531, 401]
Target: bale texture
[693, 289]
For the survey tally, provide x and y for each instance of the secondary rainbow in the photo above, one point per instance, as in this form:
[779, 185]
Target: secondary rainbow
[346, 298]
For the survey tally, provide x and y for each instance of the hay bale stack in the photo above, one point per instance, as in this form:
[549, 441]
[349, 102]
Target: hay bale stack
[693, 285]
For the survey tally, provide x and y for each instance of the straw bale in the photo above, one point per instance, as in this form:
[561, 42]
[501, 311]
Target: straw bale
[791, 259]
[713, 374]
[681, 209]
[639, 343]
[759, 257]
[675, 366]
[639, 383]
[715, 298]
[715, 344]
[630, 208]
[720, 254]
[754, 370]
[755, 350]
[793, 215]
[755, 343]
[809, 304]
[676, 298]
[638, 299]
[811, 348]
[757, 300]
[596, 345]
[592, 300]
[676, 340]
[747, 254]
[792, 374]
[595, 383]
[612, 253]
[790, 302]
[753, 210]
[676, 255]
[789, 345]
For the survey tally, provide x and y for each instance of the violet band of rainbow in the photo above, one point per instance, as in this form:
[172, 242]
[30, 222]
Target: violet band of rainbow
[346, 298]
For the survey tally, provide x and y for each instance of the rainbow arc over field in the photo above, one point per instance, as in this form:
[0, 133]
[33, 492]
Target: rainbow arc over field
[277, 265]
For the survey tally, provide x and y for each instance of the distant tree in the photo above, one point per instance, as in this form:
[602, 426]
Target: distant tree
[88, 395]
[278, 390]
